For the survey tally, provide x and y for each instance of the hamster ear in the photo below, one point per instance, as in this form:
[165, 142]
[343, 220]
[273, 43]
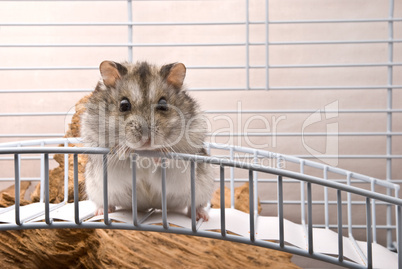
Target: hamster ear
[111, 72]
[174, 74]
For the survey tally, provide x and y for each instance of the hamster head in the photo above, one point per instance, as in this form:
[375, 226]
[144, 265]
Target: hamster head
[142, 106]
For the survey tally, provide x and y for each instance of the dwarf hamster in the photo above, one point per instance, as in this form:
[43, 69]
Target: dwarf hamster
[144, 107]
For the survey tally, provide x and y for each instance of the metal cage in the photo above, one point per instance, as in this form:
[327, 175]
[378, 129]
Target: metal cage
[345, 193]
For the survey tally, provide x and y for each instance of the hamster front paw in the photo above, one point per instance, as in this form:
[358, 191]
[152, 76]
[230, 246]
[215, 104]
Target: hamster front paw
[99, 211]
[200, 213]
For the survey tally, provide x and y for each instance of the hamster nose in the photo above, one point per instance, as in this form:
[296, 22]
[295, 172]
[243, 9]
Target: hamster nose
[147, 142]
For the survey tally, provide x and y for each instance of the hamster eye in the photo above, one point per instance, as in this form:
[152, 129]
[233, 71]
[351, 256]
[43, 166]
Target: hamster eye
[125, 105]
[162, 105]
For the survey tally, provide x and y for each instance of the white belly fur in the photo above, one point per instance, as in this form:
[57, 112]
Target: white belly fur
[149, 184]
